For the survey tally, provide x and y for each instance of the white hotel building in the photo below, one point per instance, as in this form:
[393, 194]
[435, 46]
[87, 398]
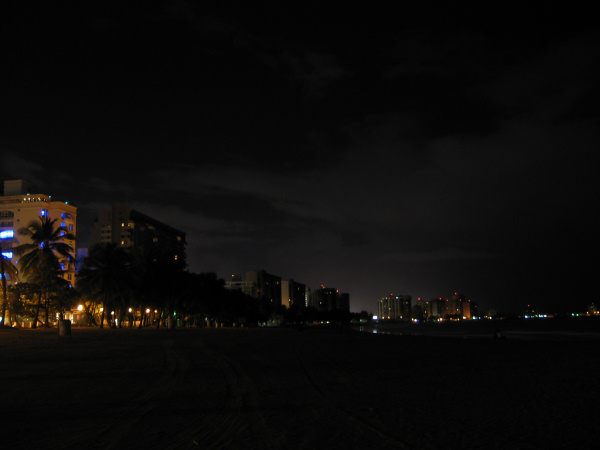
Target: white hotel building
[19, 206]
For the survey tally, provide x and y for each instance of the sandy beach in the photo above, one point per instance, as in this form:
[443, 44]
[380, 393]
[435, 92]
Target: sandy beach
[281, 388]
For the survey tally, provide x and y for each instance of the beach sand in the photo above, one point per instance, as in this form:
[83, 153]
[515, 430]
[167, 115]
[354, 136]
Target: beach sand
[282, 388]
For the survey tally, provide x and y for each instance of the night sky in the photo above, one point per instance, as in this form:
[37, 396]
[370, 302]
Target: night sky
[420, 150]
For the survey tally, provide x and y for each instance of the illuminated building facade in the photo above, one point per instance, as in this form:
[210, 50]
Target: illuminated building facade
[129, 228]
[433, 308]
[456, 308]
[19, 206]
[394, 307]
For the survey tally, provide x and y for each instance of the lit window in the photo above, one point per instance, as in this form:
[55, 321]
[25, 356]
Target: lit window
[7, 255]
[63, 224]
[7, 234]
[70, 227]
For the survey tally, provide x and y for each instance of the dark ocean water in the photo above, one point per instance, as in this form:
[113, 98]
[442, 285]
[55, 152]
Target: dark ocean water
[586, 328]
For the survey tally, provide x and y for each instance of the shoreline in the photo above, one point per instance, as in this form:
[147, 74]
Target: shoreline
[581, 328]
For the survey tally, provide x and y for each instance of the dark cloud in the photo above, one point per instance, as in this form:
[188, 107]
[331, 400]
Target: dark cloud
[314, 71]
[422, 151]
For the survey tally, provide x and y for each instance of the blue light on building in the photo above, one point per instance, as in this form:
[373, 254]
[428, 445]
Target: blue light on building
[7, 234]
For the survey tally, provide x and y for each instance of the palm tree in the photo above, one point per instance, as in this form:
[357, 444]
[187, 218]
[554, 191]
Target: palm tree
[108, 274]
[42, 258]
[6, 268]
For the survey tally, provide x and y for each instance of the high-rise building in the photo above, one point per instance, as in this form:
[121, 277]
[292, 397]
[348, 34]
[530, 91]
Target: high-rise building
[129, 228]
[454, 306]
[394, 307]
[293, 294]
[260, 284]
[328, 299]
[344, 302]
[20, 204]
[235, 283]
[267, 286]
[437, 307]
[432, 309]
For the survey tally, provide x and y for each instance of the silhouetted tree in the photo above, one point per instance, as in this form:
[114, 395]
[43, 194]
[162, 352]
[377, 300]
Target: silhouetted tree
[6, 268]
[24, 300]
[63, 296]
[108, 275]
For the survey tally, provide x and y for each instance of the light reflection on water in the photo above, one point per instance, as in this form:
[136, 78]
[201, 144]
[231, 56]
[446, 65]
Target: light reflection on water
[514, 330]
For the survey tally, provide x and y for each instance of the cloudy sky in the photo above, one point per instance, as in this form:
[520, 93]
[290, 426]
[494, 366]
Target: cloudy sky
[416, 150]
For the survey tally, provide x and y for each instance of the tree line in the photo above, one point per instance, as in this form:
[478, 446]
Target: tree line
[118, 287]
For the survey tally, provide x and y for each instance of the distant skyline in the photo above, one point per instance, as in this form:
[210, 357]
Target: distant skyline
[417, 150]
